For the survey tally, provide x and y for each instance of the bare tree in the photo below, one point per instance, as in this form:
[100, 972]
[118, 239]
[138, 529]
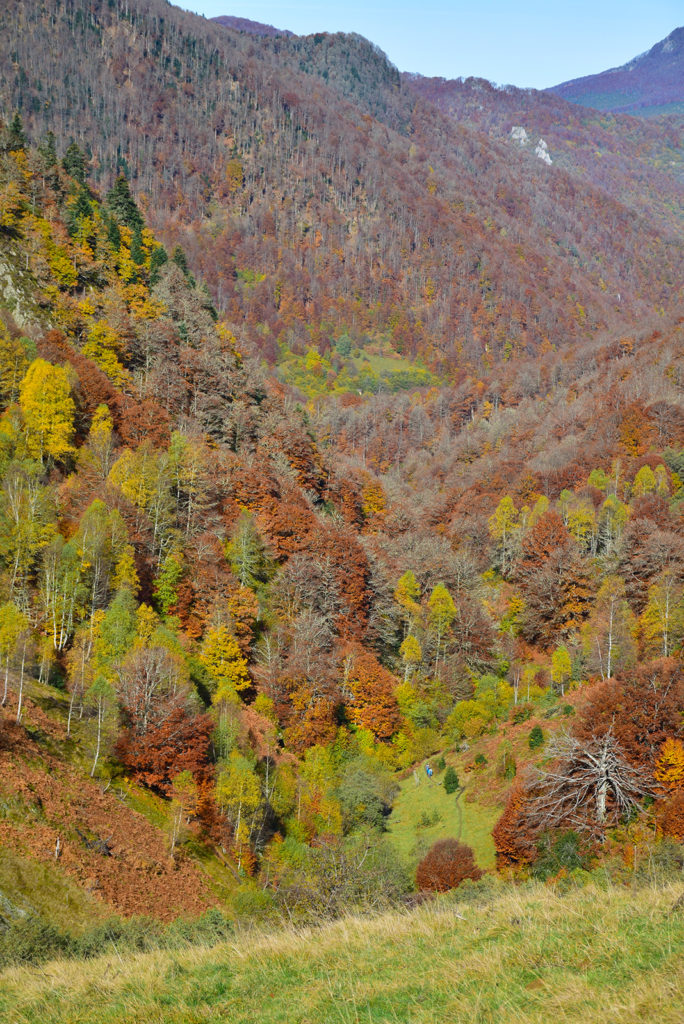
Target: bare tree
[589, 786]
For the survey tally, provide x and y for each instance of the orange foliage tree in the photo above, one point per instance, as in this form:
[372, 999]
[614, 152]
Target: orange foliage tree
[371, 703]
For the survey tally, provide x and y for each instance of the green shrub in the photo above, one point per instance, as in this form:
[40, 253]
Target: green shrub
[480, 760]
[429, 818]
[137, 934]
[536, 738]
[441, 764]
[560, 851]
[30, 940]
[451, 780]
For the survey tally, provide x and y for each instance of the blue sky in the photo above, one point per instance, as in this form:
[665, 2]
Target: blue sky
[529, 43]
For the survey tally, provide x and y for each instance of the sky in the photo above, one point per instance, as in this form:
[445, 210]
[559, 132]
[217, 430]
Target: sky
[535, 43]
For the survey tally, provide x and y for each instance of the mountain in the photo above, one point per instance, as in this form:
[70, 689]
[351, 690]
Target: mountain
[255, 28]
[319, 195]
[650, 84]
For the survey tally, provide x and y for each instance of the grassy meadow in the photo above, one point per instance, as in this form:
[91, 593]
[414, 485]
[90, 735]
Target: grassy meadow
[602, 955]
[424, 812]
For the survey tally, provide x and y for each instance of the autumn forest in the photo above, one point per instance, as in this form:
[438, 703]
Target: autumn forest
[341, 435]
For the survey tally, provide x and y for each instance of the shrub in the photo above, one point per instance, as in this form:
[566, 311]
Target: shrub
[445, 866]
[451, 780]
[563, 851]
[441, 764]
[671, 815]
[480, 760]
[30, 940]
[665, 863]
[513, 838]
[521, 712]
[137, 934]
[536, 738]
[429, 818]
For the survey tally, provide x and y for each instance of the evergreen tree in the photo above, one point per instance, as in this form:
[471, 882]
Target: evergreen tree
[48, 150]
[73, 163]
[16, 137]
[123, 205]
[157, 260]
[137, 251]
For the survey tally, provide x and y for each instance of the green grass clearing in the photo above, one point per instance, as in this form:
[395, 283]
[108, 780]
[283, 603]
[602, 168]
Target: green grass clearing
[429, 801]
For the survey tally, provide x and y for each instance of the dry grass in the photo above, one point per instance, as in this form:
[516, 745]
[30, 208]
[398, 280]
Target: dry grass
[608, 956]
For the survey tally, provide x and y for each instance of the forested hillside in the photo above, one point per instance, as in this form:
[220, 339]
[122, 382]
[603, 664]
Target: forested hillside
[381, 469]
[318, 195]
[261, 613]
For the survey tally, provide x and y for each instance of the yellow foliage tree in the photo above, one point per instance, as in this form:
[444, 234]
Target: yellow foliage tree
[662, 620]
[411, 655]
[98, 450]
[238, 794]
[13, 365]
[670, 765]
[105, 347]
[504, 526]
[561, 668]
[223, 660]
[539, 509]
[48, 410]
[373, 500]
[644, 481]
[407, 594]
[125, 573]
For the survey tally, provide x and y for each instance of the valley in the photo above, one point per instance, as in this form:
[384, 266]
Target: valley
[341, 437]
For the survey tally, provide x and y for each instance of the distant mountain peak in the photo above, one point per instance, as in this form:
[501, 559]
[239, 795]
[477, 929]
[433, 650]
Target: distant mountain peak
[651, 83]
[254, 28]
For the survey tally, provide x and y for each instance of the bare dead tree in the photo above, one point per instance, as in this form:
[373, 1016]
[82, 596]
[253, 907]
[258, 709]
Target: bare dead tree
[589, 786]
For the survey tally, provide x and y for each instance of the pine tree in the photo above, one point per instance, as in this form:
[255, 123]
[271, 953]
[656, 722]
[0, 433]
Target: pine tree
[16, 138]
[123, 205]
[73, 163]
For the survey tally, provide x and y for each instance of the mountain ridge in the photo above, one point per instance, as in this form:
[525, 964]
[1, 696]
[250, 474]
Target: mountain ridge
[256, 28]
[649, 84]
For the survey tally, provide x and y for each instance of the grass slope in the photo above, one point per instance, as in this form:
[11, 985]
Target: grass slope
[531, 955]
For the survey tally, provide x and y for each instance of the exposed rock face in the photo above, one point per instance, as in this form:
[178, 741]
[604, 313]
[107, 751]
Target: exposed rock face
[542, 151]
[17, 293]
[518, 134]
[521, 136]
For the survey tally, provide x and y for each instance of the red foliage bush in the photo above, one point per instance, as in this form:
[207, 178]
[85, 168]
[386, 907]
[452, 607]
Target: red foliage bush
[446, 864]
